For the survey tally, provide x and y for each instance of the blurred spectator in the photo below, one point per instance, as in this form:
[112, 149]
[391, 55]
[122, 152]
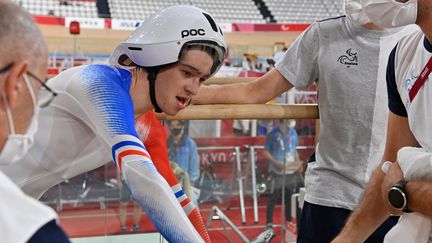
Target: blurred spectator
[270, 63]
[247, 62]
[281, 145]
[182, 149]
[259, 67]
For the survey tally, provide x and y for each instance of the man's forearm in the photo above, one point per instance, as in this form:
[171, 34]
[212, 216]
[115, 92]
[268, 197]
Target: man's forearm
[222, 94]
[258, 91]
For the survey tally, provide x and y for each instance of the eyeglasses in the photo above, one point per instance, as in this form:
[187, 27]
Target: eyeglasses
[46, 97]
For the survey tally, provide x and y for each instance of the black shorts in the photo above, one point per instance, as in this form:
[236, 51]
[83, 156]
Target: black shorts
[49, 233]
[322, 224]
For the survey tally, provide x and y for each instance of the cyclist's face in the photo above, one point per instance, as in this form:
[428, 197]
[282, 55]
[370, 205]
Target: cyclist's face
[175, 86]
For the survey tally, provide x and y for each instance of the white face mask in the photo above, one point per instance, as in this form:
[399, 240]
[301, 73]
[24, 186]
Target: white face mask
[17, 145]
[355, 12]
[292, 124]
[390, 13]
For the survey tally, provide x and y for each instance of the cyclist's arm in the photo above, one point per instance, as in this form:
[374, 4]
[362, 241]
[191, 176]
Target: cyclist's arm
[152, 192]
[155, 142]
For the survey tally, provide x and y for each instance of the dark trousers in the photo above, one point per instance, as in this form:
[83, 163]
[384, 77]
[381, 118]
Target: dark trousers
[49, 233]
[320, 224]
[292, 184]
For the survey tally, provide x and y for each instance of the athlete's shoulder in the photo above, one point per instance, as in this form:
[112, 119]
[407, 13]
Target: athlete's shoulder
[100, 77]
[330, 25]
[105, 71]
[94, 73]
[332, 20]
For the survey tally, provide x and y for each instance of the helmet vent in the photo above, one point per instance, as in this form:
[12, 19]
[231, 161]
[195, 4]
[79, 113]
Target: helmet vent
[211, 21]
[220, 30]
[124, 60]
[135, 48]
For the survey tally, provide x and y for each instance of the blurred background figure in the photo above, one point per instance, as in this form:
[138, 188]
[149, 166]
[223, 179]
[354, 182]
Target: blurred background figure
[184, 158]
[281, 145]
[247, 62]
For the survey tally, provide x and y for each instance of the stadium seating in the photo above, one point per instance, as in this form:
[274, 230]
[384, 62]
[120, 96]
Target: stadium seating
[64, 8]
[224, 11]
[227, 11]
[303, 11]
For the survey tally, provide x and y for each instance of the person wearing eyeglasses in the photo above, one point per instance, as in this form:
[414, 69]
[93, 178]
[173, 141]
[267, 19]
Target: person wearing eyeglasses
[23, 58]
[91, 120]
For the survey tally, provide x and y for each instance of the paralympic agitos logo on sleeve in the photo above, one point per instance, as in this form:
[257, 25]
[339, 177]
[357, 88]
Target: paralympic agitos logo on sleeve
[192, 32]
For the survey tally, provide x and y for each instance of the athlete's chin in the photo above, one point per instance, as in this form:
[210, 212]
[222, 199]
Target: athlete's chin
[171, 112]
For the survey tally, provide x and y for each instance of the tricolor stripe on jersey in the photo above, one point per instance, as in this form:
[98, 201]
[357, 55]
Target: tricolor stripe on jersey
[184, 201]
[129, 149]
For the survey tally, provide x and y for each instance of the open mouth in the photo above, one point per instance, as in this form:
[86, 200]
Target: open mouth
[184, 100]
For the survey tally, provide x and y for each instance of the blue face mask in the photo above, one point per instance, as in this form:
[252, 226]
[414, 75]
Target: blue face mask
[17, 145]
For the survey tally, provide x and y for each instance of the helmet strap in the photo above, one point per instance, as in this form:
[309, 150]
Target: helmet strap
[152, 73]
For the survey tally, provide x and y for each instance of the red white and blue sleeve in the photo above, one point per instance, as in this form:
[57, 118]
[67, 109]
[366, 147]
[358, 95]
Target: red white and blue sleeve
[104, 94]
[153, 134]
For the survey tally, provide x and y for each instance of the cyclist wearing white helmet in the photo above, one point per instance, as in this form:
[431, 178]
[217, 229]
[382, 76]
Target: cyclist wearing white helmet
[91, 121]
[160, 42]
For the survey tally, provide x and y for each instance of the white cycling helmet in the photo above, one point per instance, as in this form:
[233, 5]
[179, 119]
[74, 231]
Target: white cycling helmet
[159, 41]
[160, 38]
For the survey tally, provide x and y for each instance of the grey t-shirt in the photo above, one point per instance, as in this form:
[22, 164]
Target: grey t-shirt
[349, 63]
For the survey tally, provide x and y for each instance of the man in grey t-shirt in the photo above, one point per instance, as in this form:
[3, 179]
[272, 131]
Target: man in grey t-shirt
[348, 62]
